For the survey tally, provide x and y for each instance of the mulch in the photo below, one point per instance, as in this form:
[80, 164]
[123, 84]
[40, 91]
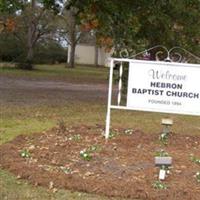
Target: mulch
[123, 166]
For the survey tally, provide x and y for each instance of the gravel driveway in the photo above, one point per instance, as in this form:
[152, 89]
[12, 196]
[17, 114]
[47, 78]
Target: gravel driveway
[24, 91]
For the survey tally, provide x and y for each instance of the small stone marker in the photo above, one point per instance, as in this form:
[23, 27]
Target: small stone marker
[167, 121]
[162, 174]
[163, 161]
[167, 161]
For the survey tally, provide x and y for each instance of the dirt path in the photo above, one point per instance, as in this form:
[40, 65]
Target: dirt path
[24, 91]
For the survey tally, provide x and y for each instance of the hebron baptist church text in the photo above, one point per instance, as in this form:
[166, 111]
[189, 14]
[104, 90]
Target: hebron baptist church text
[168, 93]
[165, 83]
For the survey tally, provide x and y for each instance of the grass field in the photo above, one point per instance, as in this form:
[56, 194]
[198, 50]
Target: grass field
[26, 119]
[79, 74]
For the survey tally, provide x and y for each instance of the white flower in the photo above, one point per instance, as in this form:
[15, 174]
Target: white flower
[82, 152]
[85, 155]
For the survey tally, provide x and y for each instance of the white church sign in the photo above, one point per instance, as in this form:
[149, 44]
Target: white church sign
[166, 87]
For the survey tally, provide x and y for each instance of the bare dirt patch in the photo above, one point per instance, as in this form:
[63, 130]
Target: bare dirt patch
[122, 167]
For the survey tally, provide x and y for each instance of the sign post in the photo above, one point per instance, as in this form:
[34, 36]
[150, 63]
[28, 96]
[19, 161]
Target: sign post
[109, 100]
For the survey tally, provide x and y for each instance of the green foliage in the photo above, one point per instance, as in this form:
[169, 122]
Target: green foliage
[150, 23]
[30, 23]
[86, 154]
[94, 148]
[10, 6]
[61, 126]
[112, 134]
[195, 159]
[26, 65]
[197, 175]
[10, 48]
[50, 52]
[161, 153]
[164, 138]
[128, 131]
[159, 185]
[76, 137]
[66, 170]
[52, 5]
[129, 25]
[25, 153]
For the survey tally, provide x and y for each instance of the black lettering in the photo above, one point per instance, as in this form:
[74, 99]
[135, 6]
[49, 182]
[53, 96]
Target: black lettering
[166, 85]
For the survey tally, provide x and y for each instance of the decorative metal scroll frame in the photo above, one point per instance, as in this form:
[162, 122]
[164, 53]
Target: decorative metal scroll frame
[169, 52]
[167, 59]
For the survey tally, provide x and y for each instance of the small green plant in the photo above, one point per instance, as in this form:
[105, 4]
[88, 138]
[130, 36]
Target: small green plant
[128, 131]
[161, 153]
[94, 148]
[197, 175]
[86, 155]
[164, 167]
[66, 170]
[195, 159]
[76, 137]
[113, 134]
[164, 138]
[61, 126]
[159, 185]
[25, 153]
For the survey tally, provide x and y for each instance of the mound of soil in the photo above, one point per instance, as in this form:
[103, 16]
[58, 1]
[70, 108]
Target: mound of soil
[79, 159]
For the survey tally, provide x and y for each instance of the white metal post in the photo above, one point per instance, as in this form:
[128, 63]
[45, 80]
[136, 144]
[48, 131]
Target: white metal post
[109, 100]
[120, 84]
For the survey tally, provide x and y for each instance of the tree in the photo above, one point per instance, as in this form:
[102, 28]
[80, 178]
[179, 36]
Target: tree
[38, 17]
[10, 48]
[10, 6]
[127, 24]
[112, 21]
[49, 51]
[7, 9]
[170, 23]
[33, 20]
[70, 30]
[135, 24]
[71, 27]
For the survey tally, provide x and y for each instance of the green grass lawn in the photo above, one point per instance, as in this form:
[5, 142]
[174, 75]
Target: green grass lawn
[78, 74]
[16, 120]
[13, 189]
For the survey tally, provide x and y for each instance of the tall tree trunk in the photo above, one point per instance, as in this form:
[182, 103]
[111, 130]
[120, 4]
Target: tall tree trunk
[96, 55]
[96, 58]
[29, 56]
[30, 38]
[72, 56]
[73, 40]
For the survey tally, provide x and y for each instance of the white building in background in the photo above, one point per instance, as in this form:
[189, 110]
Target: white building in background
[85, 54]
